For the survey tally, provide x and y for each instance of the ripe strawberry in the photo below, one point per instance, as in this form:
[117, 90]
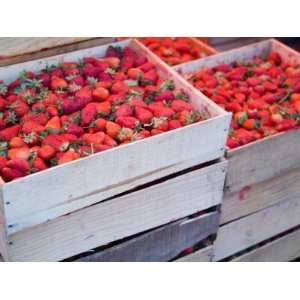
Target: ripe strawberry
[67, 157]
[125, 134]
[128, 122]
[58, 142]
[155, 131]
[29, 127]
[164, 96]
[174, 124]
[123, 110]
[3, 162]
[143, 115]
[10, 174]
[103, 108]
[100, 124]
[58, 83]
[113, 62]
[54, 124]
[112, 129]
[180, 105]
[119, 87]
[74, 129]
[96, 138]
[52, 111]
[38, 165]
[19, 164]
[10, 132]
[135, 73]
[88, 114]
[100, 94]
[160, 124]
[19, 107]
[102, 147]
[16, 142]
[39, 118]
[46, 152]
[109, 141]
[149, 78]
[188, 117]
[249, 124]
[22, 152]
[163, 112]
[84, 93]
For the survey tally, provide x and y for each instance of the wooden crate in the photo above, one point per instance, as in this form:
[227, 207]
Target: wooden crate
[50, 203]
[165, 243]
[263, 176]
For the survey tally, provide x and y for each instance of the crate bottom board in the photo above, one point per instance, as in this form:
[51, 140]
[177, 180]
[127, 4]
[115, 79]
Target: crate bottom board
[161, 244]
[250, 230]
[283, 249]
[120, 217]
[253, 198]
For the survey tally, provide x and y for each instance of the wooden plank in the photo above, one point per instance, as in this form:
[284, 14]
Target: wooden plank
[162, 244]
[253, 229]
[202, 255]
[69, 186]
[3, 236]
[283, 249]
[121, 217]
[12, 46]
[261, 195]
[45, 49]
[269, 157]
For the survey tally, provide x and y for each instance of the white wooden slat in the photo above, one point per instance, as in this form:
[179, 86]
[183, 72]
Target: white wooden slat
[3, 236]
[66, 184]
[261, 195]
[161, 244]
[283, 249]
[124, 216]
[202, 255]
[253, 229]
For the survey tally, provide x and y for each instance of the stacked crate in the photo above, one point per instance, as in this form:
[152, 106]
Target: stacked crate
[261, 206]
[148, 200]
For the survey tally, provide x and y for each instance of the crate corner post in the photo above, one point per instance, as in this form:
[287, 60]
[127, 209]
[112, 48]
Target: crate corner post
[3, 235]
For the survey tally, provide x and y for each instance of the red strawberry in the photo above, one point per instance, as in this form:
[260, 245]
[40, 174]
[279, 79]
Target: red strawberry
[164, 96]
[103, 108]
[101, 147]
[128, 122]
[119, 87]
[143, 115]
[19, 107]
[20, 164]
[100, 124]
[123, 111]
[112, 129]
[163, 112]
[29, 127]
[160, 124]
[38, 165]
[16, 142]
[108, 140]
[96, 138]
[11, 174]
[84, 93]
[57, 142]
[125, 134]
[174, 124]
[180, 105]
[22, 152]
[100, 94]
[3, 103]
[88, 114]
[67, 157]
[46, 152]
[54, 124]
[58, 83]
[74, 129]
[10, 132]
[3, 162]
[147, 66]
[150, 78]
[52, 111]
[155, 131]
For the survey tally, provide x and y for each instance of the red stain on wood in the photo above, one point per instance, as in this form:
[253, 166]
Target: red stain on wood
[242, 193]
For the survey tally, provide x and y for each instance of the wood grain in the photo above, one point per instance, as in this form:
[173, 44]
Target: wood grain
[251, 199]
[120, 217]
[162, 244]
[283, 249]
[255, 228]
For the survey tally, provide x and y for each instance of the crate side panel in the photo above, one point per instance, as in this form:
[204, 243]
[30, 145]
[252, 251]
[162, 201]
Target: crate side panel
[202, 255]
[120, 217]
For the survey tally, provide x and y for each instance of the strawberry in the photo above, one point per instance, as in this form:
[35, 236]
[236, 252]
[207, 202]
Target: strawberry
[88, 114]
[58, 83]
[11, 174]
[155, 131]
[3, 162]
[84, 93]
[128, 122]
[186, 117]
[52, 111]
[143, 115]
[100, 124]
[74, 129]
[19, 107]
[19, 164]
[103, 108]
[3, 103]
[101, 147]
[112, 129]
[22, 152]
[123, 110]
[46, 152]
[58, 142]
[180, 105]
[67, 157]
[135, 73]
[149, 78]
[38, 165]
[160, 124]
[113, 62]
[54, 124]
[119, 87]
[164, 96]
[16, 142]
[100, 94]
[163, 112]
[174, 124]
[10, 132]
[96, 138]
[29, 127]
[108, 140]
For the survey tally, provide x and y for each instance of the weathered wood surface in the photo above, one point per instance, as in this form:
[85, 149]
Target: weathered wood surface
[69, 187]
[255, 228]
[120, 217]
[17, 50]
[162, 244]
[283, 249]
[256, 197]
[202, 255]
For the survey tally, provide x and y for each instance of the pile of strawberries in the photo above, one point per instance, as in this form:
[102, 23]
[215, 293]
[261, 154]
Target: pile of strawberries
[174, 51]
[79, 108]
[263, 95]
